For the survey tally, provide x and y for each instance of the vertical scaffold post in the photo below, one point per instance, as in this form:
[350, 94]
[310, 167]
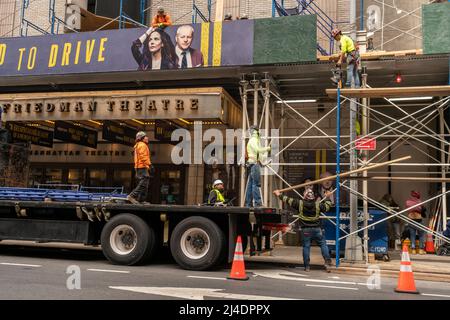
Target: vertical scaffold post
[120, 14]
[244, 85]
[338, 169]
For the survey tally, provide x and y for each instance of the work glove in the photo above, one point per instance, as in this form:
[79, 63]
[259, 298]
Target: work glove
[160, 25]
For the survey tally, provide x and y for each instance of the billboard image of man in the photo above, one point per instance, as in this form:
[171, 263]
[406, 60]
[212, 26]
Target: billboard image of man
[187, 57]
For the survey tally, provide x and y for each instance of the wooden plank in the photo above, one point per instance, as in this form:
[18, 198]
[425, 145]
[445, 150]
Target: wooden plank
[425, 179]
[392, 92]
[92, 22]
[346, 174]
[110, 93]
[374, 55]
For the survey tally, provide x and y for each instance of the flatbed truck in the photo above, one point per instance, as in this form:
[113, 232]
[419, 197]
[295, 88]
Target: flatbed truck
[199, 237]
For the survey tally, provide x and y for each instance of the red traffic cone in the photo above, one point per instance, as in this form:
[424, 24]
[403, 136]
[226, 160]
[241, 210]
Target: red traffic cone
[406, 282]
[238, 267]
[429, 245]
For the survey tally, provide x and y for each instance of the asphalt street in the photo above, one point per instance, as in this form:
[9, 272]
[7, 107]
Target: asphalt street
[60, 274]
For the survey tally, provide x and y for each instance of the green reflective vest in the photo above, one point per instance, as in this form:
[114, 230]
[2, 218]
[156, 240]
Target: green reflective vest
[219, 196]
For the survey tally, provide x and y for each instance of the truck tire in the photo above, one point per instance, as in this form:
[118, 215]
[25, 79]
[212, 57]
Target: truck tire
[128, 240]
[197, 243]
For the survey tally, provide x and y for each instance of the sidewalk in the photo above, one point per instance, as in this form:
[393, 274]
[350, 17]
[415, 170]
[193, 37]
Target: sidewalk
[425, 267]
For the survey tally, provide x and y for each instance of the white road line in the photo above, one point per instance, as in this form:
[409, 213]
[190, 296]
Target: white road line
[212, 278]
[21, 265]
[435, 295]
[105, 270]
[332, 287]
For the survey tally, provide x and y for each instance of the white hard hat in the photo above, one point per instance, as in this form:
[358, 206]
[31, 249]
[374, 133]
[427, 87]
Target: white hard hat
[218, 181]
[140, 135]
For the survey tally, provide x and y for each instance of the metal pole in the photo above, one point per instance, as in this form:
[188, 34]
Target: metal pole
[338, 169]
[443, 170]
[255, 84]
[266, 127]
[244, 84]
[361, 10]
[142, 11]
[365, 154]
[120, 14]
[353, 19]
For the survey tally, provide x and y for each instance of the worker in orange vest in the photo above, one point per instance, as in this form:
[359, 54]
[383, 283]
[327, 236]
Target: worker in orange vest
[161, 20]
[142, 167]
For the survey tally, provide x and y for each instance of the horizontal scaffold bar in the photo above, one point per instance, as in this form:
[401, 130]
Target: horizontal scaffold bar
[396, 92]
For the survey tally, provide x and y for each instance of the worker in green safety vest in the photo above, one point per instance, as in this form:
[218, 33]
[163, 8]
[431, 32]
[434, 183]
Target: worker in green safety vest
[215, 196]
[255, 152]
[309, 211]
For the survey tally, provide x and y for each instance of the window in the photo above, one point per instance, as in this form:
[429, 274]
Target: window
[91, 6]
[97, 177]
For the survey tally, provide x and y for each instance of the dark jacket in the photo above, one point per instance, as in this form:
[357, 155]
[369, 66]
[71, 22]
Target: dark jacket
[145, 62]
[308, 211]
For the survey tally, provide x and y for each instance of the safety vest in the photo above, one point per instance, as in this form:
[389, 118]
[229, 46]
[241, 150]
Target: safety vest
[309, 218]
[219, 196]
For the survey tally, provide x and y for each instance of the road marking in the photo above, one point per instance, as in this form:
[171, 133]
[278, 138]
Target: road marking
[332, 287]
[21, 265]
[106, 270]
[196, 293]
[435, 295]
[286, 275]
[335, 277]
[212, 278]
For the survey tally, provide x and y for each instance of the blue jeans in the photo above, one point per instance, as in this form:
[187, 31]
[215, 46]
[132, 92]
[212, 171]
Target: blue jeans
[352, 73]
[253, 186]
[412, 235]
[309, 234]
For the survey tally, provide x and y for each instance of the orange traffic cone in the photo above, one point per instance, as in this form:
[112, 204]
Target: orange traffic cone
[406, 279]
[238, 267]
[429, 245]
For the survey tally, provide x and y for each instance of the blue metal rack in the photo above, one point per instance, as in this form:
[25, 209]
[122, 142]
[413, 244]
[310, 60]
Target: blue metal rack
[38, 194]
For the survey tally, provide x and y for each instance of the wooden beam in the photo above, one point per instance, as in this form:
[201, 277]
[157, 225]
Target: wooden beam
[396, 92]
[425, 179]
[346, 174]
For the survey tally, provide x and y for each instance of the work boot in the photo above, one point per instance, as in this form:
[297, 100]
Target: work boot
[132, 200]
[328, 265]
[413, 251]
[421, 251]
[307, 268]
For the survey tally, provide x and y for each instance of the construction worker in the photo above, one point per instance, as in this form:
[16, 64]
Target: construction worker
[161, 20]
[142, 167]
[348, 52]
[254, 154]
[228, 17]
[215, 196]
[309, 218]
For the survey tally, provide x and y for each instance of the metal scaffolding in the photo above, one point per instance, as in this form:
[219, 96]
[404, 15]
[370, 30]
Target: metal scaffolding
[425, 128]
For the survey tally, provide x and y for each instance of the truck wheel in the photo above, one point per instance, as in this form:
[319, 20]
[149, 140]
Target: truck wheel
[197, 243]
[128, 240]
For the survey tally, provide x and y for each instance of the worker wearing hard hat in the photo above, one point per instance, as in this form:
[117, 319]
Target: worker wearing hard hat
[255, 152]
[142, 167]
[161, 19]
[215, 196]
[309, 210]
[351, 54]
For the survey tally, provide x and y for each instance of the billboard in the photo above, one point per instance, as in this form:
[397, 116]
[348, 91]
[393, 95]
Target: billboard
[216, 44]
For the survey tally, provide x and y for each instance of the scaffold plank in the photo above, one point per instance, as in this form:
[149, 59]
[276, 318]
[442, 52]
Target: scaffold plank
[396, 92]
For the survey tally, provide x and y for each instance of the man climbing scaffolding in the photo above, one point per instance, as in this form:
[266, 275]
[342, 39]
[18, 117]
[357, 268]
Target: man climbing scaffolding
[351, 54]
